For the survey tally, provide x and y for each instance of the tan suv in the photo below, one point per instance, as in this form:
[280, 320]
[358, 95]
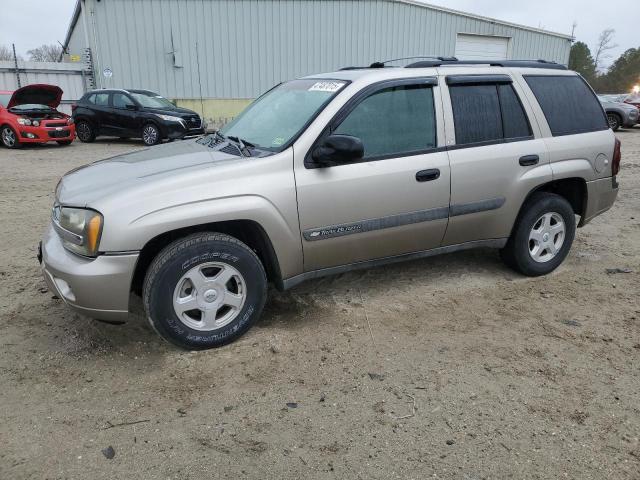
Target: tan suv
[329, 173]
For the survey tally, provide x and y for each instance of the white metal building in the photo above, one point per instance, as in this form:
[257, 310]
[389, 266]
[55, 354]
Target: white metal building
[227, 52]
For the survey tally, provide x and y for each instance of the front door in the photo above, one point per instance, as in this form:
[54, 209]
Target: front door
[123, 115]
[392, 202]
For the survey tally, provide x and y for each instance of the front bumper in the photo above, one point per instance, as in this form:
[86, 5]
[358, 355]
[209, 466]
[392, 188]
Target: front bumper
[176, 130]
[601, 194]
[96, 287]
[44, 134]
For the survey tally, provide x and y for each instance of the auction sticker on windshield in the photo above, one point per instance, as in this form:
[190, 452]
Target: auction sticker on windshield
[326, 86]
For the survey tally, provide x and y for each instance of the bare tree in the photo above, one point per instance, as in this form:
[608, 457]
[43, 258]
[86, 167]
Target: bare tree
[6, 53]
[605, 43]
[45, 53]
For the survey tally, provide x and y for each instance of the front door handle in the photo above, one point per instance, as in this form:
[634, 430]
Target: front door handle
[428, 175]
[529, 160]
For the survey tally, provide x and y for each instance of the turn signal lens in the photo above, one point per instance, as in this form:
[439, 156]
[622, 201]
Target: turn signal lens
[93, 233]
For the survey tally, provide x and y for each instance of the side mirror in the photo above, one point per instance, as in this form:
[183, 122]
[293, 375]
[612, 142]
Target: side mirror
[131, 106]
[337, 150]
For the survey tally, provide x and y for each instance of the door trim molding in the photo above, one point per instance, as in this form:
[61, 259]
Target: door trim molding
[390, 221]
[296, 280]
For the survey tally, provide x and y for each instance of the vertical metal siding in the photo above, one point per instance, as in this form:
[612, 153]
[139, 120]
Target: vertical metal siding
[247, 46]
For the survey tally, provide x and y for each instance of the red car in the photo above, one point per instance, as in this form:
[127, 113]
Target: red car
[29, 115]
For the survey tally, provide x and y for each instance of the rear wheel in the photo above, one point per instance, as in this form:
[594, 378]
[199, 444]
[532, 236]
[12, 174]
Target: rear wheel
[615, 122]
[85, 131]
[204, 291]
[151, 135]
[542, 236]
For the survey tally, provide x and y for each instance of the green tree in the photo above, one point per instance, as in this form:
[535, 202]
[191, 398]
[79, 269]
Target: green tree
[624, 73]
[581, 61]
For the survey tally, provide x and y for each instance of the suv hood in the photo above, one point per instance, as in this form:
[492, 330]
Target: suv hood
[84, 185]
[38, 93]
[176, 112]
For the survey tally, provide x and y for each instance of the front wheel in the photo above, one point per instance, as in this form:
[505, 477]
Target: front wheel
[542, 236]
[204, 291]
[151, 135]
[9, 137]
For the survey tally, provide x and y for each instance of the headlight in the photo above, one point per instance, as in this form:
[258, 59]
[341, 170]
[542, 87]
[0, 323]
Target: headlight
[79, 228]
[70, 121]
[35, 123]
[24, 121]
[170, 118]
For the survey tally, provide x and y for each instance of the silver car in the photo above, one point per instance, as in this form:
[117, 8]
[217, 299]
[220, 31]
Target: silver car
[330, 173]
[619, 114]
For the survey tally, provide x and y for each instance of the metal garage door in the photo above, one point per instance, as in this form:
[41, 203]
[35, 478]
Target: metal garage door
[481, 47]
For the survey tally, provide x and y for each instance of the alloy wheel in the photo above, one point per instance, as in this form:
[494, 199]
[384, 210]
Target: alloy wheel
[83, 130]
[613, 122]
[8, 137]
[150, 135]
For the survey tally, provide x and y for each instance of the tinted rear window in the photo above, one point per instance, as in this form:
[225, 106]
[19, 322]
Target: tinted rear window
[487, 113]
[568, 104]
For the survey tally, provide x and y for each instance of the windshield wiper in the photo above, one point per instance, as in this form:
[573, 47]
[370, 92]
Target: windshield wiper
[244, 145]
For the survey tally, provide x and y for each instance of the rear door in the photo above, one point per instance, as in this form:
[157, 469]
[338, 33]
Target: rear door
[496, 153]
[395, 201]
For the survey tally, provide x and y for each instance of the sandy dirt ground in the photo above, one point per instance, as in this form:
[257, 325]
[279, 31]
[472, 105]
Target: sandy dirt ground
[450, 367]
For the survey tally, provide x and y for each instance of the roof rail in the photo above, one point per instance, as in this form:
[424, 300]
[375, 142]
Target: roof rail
[492, 63]
[383, 64]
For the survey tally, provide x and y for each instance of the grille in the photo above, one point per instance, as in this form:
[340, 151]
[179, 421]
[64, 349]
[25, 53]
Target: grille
[193, 122]
[56, 124]
[59, 133]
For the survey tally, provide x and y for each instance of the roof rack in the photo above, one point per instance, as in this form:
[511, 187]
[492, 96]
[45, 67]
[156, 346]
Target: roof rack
[492, 63]
[384, 63]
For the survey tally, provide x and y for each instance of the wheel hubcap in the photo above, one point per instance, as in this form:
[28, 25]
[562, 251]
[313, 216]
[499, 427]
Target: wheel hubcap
[209, 296]
[8, 137]
[547, 237]
[613, 121]
[83, 131]
[149, 134]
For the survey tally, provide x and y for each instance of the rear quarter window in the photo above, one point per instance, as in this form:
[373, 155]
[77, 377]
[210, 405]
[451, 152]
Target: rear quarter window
[568, 103]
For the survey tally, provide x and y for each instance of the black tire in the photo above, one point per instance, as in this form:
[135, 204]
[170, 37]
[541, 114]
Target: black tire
[615, 122]
[516, 254]
[167, 270]
[9, 137]
[151, 134]
[64, 143]
[85, 131]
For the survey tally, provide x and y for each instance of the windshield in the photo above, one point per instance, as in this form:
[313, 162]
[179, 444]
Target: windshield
[4, 99]
[275, 118]
[152, 100]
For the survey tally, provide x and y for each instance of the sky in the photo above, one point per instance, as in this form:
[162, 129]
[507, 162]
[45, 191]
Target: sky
[30, 23]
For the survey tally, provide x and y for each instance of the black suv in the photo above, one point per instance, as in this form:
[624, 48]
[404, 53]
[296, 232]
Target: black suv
[133, 113]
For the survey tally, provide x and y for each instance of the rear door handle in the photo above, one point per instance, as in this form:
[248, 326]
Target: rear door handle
[529, 160]
[428, 175]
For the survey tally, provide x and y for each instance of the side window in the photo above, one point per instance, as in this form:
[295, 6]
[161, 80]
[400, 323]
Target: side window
[514, 119]
[91, 98]
[120, 100]
[393, 121]
[101, 99]
[487, 113]
[568, 104]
